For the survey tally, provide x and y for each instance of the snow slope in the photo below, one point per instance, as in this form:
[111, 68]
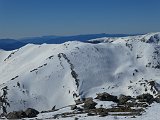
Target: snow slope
[42, 76]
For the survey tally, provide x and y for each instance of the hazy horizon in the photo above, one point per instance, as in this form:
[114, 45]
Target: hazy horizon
[68, 35]
[22, 18]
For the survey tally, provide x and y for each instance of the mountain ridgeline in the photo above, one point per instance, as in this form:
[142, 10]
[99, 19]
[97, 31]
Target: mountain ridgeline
[50, 76]
[12, 44]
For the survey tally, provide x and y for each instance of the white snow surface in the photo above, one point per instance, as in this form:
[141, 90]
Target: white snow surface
[42, 76]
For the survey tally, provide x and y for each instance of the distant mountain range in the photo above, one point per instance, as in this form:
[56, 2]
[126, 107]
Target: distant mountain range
[11, 44]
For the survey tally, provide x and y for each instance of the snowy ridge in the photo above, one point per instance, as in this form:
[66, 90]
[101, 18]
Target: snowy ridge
[48, 75]
[149, 38]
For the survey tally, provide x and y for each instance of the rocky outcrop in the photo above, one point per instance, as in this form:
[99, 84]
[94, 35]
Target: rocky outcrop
[89, 104]
[28, 113]
[123, 99]
[106, 97]
[16, 115]
[145, 98]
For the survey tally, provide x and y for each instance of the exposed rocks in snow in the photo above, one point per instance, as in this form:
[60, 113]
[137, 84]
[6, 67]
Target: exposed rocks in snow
[15, 77]
[89, 104]
[16, 115]
[157, 99]
[78, 101]
[18, 84]
[28, 113]
[11, 55]
[73, 72]
[145, 98]
[89, 107]
[4, 101]
[36, 69]
[50, 57]
[129, 46]
[73, 107]
[106, 97]
[123, 99]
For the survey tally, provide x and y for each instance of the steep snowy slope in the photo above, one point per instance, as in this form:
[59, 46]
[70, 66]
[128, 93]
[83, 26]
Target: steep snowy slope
[44, 76]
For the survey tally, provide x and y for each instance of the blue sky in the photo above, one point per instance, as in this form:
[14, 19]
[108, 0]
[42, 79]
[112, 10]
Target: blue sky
[23, 18]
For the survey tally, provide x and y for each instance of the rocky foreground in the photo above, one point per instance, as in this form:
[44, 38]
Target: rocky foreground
[120, 106]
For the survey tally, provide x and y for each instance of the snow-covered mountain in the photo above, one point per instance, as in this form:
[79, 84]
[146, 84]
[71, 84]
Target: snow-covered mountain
[48, 75]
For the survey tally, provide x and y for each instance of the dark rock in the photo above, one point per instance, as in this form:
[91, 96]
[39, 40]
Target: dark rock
[136, 104]
[30, 112]
[55, 117]
[145, 98]
[123, 99]
[54, 108]
[152, 83]
[90, 114]
[89, 104]
[87, 99]
[75, 118]
[16, 115]
[130, 104]
[157, 99]
[103, 114]
[78, 101]
[106, 97]
[133, 117]
[79, 109]
[136, 70]
[73, 107]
